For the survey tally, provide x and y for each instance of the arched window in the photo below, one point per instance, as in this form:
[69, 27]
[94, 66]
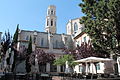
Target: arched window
[75, 27]
[42, 42]
[51, 22]
[27, 37]
[51, 12]
[56, 44]
[47, 22]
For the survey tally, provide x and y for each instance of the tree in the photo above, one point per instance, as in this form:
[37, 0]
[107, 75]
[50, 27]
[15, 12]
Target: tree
[22, 53]
[62, 60]
[29, 51]
[102, 23]
[5, 49]
[6, 42]
[42, 57]
[28, 65]
[84, 51]
[14, 65]
[19, 56]
[14, 47]
[67, 60]
[15, 37]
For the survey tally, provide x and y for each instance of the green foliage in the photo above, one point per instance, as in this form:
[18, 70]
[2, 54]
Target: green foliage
[15, 60]
[14, 46]
[6, 42]
[29, 50]
[28, 65]
[15, 37]
[62, 60]
[102, 23]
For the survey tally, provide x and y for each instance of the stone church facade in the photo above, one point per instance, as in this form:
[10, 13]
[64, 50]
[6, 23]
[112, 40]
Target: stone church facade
[49, 41]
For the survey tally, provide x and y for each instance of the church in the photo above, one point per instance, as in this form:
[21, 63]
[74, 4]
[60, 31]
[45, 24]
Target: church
[49, 41]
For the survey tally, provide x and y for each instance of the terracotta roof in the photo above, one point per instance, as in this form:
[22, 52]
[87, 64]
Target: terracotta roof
[79, 35]
[42, 32]
[72, 19]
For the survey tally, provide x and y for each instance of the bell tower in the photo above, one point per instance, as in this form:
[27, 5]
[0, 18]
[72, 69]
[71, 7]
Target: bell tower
[50, 25]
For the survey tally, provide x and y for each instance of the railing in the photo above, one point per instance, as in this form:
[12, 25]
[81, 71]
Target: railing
[59, 76]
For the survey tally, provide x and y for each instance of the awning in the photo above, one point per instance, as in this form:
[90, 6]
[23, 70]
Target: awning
[93, 59]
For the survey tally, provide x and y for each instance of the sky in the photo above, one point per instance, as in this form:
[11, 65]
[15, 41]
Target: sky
[31, 14]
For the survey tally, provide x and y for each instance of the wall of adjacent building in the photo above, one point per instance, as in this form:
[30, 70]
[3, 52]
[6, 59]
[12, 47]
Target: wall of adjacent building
[106, 67]
[82, 38]
[118, 62]
[78, 35]
[71, 24]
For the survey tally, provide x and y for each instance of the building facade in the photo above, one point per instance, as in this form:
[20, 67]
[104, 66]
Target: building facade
[76, 30]
[50, 25]
[49, 41]
[118, 62]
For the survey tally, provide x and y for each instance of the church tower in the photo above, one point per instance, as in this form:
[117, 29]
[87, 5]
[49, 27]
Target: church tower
[50, 25]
